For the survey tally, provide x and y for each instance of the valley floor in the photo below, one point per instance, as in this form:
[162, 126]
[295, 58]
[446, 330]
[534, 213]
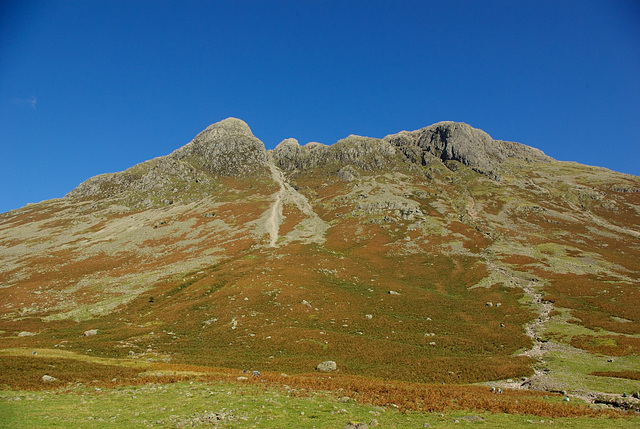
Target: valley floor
[242, 405]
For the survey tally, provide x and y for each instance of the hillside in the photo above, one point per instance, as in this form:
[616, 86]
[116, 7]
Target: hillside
[436, 255]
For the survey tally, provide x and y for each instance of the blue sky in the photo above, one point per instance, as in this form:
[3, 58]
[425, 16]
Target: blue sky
[89, 87]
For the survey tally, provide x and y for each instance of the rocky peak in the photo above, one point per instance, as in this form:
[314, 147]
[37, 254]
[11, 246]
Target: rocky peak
[287, 144]
[364, 153]
[229, 148]
[440, 142]
[225, 128]
[458, 141]
[226, 148]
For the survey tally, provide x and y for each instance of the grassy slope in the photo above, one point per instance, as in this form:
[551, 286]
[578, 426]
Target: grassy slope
[238, 406]
[170, 283]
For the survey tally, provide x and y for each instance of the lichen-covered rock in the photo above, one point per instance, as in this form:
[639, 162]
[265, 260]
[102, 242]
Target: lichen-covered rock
[446, 142]
[327, 366]
[456, 141]
[226, 148]
[367, 154]
[229, 149]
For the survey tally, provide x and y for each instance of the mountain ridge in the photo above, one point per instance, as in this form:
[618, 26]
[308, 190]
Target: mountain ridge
[229, 148]
[435, 255]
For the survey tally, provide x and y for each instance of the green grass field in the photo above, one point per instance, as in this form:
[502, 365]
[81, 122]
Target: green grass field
[237, 405]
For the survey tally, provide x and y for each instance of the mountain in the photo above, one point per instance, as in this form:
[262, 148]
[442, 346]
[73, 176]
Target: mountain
[435, 255]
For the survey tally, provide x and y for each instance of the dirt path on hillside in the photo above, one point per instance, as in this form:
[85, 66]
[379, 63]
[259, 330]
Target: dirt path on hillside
[275, 211]
[534, 328]
[311, 229]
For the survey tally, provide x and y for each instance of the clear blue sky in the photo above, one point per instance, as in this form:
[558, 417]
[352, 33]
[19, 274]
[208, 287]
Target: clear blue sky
[89, 87]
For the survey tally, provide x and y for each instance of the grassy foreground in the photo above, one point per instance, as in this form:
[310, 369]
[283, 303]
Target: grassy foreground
[238, 405]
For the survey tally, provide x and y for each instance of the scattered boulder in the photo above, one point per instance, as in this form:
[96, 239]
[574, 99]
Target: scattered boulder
[618, 402]
[368, 316]
[473, 419]
[373, 423]
[393, 292]
[348, 173]
[327, 366]
[48, 379]
[90, 332]
[489, 304]
[356, 425]
[26, 334]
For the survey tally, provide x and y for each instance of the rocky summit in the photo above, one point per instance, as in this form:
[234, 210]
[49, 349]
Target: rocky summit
[438, 255]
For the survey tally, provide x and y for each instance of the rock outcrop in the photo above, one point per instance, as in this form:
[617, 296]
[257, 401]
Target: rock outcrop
[229, 149]
[457, 141]
[364, 153]
[226, 148]
[444, 141]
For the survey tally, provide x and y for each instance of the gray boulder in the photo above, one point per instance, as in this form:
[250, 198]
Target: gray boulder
[327, 366]
[356, 425]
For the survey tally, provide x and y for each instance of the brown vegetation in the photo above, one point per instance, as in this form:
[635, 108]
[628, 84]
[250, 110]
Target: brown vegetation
[629, 375]
[25, 373]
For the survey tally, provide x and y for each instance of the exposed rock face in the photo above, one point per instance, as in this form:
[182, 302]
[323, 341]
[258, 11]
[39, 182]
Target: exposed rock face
[367, 154]
[461, 142]
[444, 141]
[226, 148]
[229, 149]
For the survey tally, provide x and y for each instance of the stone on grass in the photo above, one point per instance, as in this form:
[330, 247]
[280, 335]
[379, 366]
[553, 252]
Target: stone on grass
[90, 332]
[356, 425]
[48, 379]
[26, 334]
[327, 366]
[473, 419]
